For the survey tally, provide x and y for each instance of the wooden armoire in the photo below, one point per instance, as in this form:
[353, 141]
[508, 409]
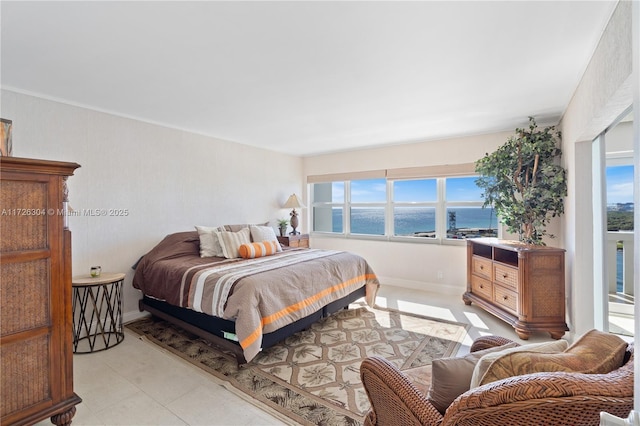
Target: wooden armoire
[36, 324]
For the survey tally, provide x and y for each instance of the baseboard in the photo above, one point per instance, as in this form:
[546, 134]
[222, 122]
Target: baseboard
[439, 288]
[133, 315]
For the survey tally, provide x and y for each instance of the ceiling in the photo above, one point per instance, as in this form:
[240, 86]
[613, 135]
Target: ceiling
[305, 77]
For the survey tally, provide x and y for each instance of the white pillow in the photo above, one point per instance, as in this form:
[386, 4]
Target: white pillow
[264, 233]
[484, 363]
[209, 244]
[231, 241]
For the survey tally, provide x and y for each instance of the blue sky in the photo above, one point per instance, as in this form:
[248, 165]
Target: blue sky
[619, 189]
[619, 184]
[374, 190]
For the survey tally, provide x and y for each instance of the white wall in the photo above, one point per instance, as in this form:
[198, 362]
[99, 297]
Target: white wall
[605, 91]
[168, 180]
[415, 265]
[603, 94]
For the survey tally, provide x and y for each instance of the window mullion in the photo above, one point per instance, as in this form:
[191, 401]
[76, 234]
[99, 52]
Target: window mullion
[441, 211]
[346, 216]
[388, 217]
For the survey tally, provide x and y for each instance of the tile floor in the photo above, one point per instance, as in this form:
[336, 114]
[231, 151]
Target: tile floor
[137, 383]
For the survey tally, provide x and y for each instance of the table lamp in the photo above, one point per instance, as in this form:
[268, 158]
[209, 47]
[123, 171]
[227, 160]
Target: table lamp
[294, 203]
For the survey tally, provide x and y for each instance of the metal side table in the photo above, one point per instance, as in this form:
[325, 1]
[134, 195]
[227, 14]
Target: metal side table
[97, 312]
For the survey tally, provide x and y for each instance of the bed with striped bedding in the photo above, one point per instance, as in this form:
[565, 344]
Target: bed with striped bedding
[258, 296]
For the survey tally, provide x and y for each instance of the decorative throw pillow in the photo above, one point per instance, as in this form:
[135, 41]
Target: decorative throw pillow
[483, 364]
[231, 241]
[450, 377]
[596, 352]
[253, 250]
[209, 244]
[264, 233]
[237, 227]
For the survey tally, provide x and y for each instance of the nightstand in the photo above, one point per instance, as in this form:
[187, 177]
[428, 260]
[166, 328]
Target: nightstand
[97, 312]
[298, 240]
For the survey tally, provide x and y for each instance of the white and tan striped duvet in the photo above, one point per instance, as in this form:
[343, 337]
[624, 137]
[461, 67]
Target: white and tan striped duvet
[265, 294]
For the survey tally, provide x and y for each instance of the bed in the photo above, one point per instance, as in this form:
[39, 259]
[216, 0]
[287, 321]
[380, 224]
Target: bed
[247, 305]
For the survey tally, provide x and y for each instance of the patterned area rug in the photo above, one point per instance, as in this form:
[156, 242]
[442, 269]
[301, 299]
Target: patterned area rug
[313, 377]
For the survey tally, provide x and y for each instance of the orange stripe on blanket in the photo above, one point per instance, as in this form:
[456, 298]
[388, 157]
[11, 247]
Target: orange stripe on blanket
[251, 338]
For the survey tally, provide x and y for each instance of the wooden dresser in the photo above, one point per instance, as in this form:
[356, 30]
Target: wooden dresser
[36, 330]
[521, 284]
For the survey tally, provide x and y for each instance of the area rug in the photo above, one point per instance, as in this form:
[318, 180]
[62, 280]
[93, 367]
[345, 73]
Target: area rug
[313, 377]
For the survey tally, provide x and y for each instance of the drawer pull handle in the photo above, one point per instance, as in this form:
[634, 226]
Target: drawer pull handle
[505, 276]
[505, 297]
[481, 285]
[481, 267]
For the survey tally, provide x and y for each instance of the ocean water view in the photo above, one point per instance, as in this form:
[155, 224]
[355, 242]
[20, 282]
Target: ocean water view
[420, 221]
[619, 271]
[412, 221]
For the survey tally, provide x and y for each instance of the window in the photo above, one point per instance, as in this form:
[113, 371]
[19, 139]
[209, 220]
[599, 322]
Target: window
[414, 207]
[619, 197]
[465, 216]
[402, 207]
[328, 207]
[368, 199]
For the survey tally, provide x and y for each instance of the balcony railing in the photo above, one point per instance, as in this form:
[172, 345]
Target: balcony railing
[619, 258]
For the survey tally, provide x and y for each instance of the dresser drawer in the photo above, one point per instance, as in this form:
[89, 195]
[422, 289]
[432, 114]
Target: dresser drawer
[506, 298]
[506, 275]
[481, 266]
[481, 287]
[303, 242]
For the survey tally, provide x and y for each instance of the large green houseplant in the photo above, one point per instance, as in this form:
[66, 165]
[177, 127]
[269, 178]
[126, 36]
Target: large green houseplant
[524, 181]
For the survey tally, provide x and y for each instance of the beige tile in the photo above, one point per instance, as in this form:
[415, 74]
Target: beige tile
[215, 405]
[86, 417]
[167, 380]
[138, 383]
[139, 409]
[102, 387]
[83, 417]
[450, 307]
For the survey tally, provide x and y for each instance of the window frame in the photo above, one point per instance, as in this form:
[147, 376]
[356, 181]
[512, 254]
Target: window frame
[364, 204]
[439, 173]
[392, 204]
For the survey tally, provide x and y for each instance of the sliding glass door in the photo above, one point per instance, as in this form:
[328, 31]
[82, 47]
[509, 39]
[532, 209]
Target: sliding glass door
[613, 227]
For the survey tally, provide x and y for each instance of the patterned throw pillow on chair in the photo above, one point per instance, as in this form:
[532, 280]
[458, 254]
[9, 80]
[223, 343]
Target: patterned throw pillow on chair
[596, 352]
[485, 362]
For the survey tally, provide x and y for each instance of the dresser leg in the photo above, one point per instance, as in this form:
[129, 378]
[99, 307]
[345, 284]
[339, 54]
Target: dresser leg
[64, 419]
[466, 300]
[556, 334]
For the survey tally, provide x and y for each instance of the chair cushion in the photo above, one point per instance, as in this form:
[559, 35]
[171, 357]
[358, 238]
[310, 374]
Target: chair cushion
[450, 377]
[483, 364]
[596, 352]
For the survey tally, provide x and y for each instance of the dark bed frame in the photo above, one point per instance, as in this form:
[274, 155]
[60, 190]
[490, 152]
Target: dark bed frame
[213, 329]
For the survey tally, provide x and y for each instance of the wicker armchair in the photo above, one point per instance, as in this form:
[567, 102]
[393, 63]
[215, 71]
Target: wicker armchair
[532, 399]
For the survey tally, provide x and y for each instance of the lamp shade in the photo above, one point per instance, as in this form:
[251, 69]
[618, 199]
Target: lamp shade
[293, 203]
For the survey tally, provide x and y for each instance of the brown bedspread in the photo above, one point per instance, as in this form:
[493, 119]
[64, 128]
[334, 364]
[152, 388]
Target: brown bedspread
[261, 295]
